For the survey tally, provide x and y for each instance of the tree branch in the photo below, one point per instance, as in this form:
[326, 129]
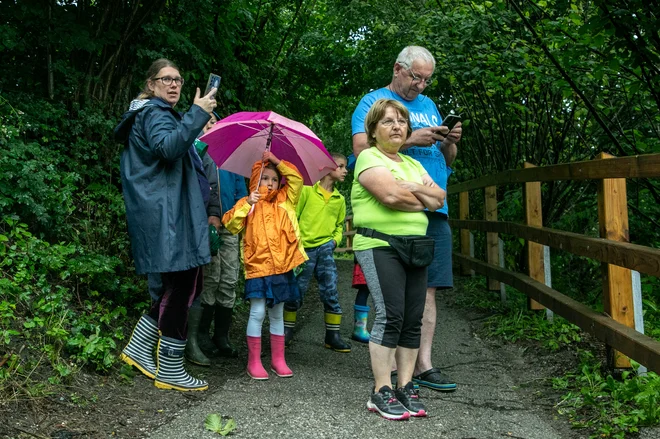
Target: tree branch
[568, 79]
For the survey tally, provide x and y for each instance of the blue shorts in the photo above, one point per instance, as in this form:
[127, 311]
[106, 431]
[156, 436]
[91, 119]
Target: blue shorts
[440, 270]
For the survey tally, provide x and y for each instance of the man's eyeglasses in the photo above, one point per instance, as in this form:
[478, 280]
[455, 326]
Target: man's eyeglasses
[390, 122]
[167, 80]
[417, 80]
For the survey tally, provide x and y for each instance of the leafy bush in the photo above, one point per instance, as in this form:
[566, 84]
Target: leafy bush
[48, 295]
[607, 406]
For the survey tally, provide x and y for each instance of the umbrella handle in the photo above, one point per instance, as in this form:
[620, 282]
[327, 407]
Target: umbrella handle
[270, 138]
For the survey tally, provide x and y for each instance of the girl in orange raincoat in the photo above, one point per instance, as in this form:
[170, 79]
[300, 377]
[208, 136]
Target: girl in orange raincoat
[271, 250]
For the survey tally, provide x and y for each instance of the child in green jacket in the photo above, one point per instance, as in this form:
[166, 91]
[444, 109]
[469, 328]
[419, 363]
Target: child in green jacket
[321, 212]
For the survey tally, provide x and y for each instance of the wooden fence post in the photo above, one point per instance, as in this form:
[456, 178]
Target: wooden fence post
[617, 281]
[348, 227]
[464, 213]
[492, 243]
[534, 218]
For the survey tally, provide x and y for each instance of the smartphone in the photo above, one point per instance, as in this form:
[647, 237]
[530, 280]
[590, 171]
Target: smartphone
[213, 82]
[450, 121]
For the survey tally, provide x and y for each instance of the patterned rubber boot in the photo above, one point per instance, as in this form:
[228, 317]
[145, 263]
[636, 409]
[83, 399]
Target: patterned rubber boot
[254, 367]
[360, 332]
[289, 324]
[277, 362]
[332, 338]
[139, 352]
[170, 373]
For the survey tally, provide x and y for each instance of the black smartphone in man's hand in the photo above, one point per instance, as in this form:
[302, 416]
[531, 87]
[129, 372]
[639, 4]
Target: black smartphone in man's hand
[213, 82]
[450, 121]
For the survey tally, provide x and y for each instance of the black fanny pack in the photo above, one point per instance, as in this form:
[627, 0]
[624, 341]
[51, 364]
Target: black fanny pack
[415, 251]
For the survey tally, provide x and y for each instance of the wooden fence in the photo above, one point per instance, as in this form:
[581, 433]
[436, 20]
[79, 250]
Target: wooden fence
[618, 256]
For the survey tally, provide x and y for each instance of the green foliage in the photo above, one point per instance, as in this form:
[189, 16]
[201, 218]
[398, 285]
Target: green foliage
[512, 321]
[533, 325]
[43, 297]
[213, 422]
[475, 296]
[606, 406]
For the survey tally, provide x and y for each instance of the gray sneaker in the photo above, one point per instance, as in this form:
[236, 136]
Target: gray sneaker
[385, 403]
[408, 396]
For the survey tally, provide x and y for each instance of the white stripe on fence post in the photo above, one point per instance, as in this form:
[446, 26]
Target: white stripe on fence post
[549, 314]
[500, 245]
[639, 309]
[472, 251]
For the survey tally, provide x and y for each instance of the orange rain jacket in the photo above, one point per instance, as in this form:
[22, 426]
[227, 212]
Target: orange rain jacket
[271, 240]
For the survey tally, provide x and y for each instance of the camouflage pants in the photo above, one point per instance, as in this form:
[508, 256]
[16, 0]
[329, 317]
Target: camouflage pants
[321, 265]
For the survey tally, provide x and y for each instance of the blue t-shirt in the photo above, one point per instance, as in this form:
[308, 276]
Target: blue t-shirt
[423, 114]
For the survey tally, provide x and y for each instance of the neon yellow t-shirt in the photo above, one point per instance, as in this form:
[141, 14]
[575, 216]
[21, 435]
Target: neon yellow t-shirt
[326, 194]
[369, 212]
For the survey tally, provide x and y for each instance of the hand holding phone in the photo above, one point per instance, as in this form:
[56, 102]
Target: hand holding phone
[213, 82]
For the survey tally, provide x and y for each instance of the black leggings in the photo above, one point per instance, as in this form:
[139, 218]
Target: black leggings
[399, 294]
[180, 288]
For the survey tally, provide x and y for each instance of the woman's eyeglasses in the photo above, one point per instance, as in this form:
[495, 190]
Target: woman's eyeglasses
[390, 122]
[167, 80]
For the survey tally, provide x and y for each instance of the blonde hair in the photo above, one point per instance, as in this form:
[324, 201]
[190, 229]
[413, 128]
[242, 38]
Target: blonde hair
[377, 112]
[155, 67]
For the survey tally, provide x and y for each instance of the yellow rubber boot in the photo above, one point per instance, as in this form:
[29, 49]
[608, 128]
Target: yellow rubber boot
[332, 338]
[289, 324]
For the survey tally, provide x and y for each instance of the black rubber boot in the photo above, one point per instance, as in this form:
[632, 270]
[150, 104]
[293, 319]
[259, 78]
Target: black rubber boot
[223, 318]
[203, 336]
[332, 338]
[192, 352]
[289, 324]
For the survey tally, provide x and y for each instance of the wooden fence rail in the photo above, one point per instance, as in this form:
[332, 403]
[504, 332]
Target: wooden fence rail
[613, 249]
[639, 166]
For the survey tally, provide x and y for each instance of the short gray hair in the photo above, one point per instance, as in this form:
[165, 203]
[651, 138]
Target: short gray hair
[411, 53]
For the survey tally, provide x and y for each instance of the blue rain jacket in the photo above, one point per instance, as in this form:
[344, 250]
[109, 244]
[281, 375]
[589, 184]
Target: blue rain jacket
[165, 211]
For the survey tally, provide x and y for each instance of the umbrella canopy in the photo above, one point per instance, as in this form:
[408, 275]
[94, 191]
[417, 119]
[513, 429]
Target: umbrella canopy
[238, 141]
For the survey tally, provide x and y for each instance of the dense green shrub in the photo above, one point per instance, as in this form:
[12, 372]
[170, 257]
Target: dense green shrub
[66, 272]
[49, 297]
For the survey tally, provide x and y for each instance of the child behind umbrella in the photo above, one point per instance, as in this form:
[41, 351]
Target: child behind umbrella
[271, 250]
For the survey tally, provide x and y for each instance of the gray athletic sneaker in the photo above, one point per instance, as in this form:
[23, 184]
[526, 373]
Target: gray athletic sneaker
[408, 396]
[385, 403]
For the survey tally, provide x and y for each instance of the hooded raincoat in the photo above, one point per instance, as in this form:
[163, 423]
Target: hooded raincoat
[271, 241]
[165, 210]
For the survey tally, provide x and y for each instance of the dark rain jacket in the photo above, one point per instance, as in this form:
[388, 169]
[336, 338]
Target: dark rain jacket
[165, 211]
[211, 171]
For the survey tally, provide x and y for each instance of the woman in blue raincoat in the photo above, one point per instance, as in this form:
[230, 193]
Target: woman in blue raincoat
[165, 190]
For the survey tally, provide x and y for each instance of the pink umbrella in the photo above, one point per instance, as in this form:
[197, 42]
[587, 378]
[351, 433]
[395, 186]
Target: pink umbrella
[239, 140]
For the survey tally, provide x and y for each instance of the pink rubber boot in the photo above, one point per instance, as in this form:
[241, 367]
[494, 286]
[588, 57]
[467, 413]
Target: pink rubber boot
[254, 367]
[277, 362]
